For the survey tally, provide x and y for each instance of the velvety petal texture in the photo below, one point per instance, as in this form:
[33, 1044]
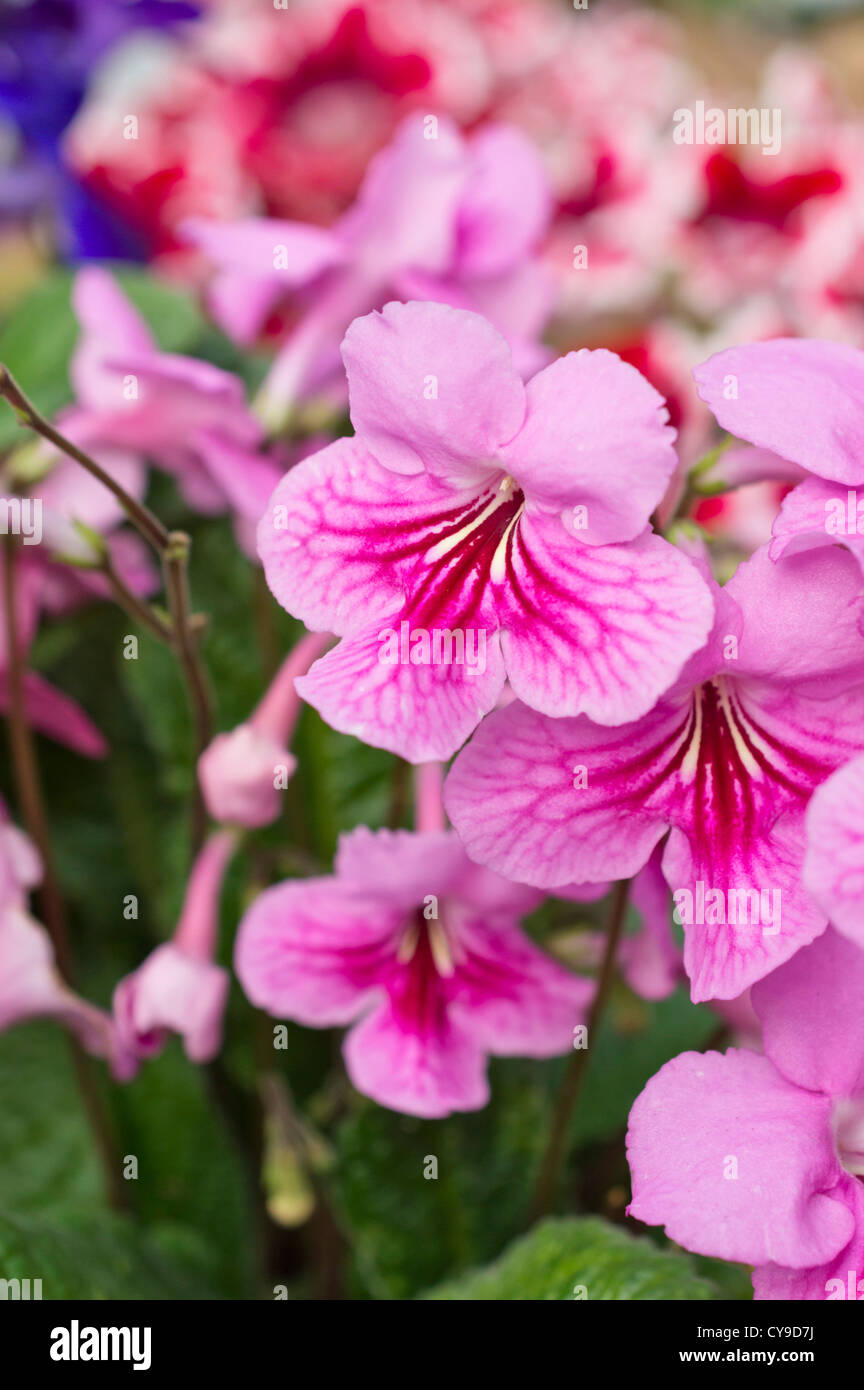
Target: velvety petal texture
[737, 1162]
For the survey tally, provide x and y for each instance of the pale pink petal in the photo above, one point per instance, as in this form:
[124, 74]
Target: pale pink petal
[405, 212]
[839, 1279]
[804, 619]
[263, 247]
[402, 867]
[736, 1162]
[316, 951]
[238, 772]
[800, 398]
[109, 327]
[506, 205]
[834, 864]
[602, 631]
[432, 388]
[430, 1074]
[594, 437]
[814, 514]
[172, 992]
[812, 1019]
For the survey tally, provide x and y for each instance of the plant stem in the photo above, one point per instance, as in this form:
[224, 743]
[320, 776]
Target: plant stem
[174, 563]
[142, 518]
[173, 549]
[137, 609]
[544, 1193]
[32, 807]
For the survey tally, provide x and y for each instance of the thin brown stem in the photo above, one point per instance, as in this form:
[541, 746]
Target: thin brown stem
[32, 807]
[547, 1181]
[136, 607]
[150, 527]
[175, 562]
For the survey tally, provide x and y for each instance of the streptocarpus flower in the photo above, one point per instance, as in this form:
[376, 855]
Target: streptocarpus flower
[48, 710]
[30, 983]
[726, 761]
[438, 217]
[179, 988]
[421, 952]
[475, 529]
[240, 771]
[759, 1159]
[187, 416]
[802, 400]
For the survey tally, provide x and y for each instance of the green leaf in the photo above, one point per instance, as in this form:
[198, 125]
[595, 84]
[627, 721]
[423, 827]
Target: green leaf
[100, 1257]
[585, 1257]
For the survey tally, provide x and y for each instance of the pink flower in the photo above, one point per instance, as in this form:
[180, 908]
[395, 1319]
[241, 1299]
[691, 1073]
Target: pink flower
[726, 760]
[759, 1159]
[242, 772]
[48, 710]
[189, 417]
[438, 217]
[801, 402]
[420, 951]
[498, 530]
[31, 986]
[178, 988]
[834, 866]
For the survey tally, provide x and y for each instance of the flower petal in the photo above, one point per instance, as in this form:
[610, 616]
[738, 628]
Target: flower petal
[595, 436]
[430, 1074]
[315, 950]
[700, 1113]
[800, 398]
[834, 863]
[602, 631]
[511, 997]
[841, 1277]
[560, 801]
[422, 712]
[432, 388]
[812, 1020]
[342, 536]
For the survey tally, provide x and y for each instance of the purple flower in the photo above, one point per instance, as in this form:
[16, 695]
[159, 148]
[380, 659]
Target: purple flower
[759, 1159]
[420, 951]
[477, 529]
[726, 761]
